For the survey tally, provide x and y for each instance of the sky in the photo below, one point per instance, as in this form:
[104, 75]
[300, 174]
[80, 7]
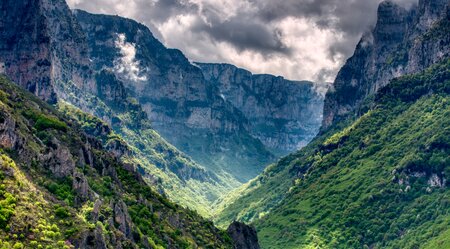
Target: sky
[297, 39]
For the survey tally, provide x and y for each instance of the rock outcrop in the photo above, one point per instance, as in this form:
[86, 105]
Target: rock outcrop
[402, 42]
[285, 115]
[243, 236]
[42, 46]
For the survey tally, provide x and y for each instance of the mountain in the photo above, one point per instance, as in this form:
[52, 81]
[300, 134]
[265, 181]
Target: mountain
[402, 42]
[184, 108]
[60, 188]
[185, 103]
[42, 50]
[377, 174]
[284, 115]
[47, 53]
[380, 182]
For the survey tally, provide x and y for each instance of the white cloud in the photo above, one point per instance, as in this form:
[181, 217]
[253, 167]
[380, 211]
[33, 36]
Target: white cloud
[302, 39]
[127, 65]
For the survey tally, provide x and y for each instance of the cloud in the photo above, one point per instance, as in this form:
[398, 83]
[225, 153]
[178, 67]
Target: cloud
[127, 65]
[298, 39]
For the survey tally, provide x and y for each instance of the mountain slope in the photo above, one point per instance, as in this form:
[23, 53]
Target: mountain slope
[184, 108]
[61, 188]
[46, 52]
[402, 42]
[352, 85]
[289, 200]
[380, 182]
[285, 115]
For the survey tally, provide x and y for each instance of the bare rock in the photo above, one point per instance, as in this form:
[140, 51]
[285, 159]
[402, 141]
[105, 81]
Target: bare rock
[122, 219]
[60, 161]
[243, 236]
[81, 186]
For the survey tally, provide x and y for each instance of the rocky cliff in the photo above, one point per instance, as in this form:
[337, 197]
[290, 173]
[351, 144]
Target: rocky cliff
[45, 50]
[402, 42]
[184, 108]
[41, 46]
[285, 115]
[60, 188]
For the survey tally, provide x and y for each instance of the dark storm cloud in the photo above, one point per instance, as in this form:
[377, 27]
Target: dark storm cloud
[199, 27]
[244, 31]
[244, 34]
[160, 11]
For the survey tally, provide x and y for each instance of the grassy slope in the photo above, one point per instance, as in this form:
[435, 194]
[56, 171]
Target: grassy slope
[37, 208]
[367, 185]
[256, 198]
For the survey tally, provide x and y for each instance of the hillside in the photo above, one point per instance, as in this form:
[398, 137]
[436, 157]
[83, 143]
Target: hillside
[349, 185]
[61, 189]
[52, 62]
[380, 182]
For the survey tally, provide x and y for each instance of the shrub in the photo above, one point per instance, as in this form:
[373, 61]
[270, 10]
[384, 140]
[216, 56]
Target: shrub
[18, 245]
[45, 122]
[7, 207]
[62, 212]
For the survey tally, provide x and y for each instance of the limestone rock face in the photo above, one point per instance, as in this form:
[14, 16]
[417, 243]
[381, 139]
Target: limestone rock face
[243, 236]
[184, 108]
[122, 219]
[285, 115]
[42, 46]
[402, 42]
[59, 160]
[81, 186]
[8, 136]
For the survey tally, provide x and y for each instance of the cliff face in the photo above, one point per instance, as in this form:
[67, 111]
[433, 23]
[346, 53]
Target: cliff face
[184, 108]
[402, 42]
[42, 45]
[45, 51]
[285, 115]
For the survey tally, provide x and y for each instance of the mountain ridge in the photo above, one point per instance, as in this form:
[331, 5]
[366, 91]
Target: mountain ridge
[267, 202]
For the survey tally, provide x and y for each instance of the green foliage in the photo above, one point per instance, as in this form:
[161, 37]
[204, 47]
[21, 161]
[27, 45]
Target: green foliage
[62, 188]
[7, 206]
[380, 182]
[62, 212]
[43, 122]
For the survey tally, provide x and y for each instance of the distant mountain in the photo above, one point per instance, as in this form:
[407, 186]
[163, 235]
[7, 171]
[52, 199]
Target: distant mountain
[377, 175]
[188, 108]
[285, 115]
[114, 69]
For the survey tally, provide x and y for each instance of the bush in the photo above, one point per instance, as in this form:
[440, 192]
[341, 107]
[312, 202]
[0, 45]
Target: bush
[7, 207]
[18, 245]
[44, 122]
[62, 212]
